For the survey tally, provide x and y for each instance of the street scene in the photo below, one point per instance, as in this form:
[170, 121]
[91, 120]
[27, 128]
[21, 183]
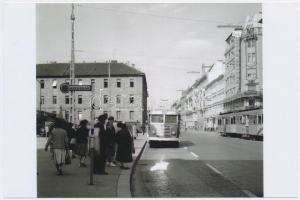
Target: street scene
[205, 165]
[149, 100]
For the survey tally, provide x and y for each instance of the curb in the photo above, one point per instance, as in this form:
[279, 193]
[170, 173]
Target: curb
[124, 181]
[133, 168]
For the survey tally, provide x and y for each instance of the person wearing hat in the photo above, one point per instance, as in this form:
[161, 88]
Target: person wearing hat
[125, 144]
[111, 137]
[101, 144]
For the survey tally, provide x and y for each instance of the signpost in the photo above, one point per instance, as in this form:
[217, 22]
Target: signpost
[65, 88]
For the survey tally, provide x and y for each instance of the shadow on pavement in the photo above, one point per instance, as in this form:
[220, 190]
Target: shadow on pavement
[186, 143]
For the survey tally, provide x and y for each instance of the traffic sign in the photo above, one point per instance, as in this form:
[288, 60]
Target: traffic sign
[65, 88]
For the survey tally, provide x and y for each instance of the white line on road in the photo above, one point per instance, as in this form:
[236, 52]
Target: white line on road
[250, 194]
[195, 155]
[213, 168]
[184, 147]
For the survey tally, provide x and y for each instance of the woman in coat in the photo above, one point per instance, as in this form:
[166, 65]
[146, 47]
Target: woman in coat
[124, 142]
[60, 145]
[82, 135]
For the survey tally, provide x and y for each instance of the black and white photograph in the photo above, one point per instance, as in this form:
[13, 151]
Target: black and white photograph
[149, 99]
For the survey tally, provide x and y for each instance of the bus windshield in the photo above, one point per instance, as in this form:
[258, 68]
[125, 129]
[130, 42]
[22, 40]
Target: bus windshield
[157, 118]
[171, 119]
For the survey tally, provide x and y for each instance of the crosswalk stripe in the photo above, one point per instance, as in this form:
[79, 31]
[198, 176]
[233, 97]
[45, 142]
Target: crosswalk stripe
[195, 155]
[213, 168]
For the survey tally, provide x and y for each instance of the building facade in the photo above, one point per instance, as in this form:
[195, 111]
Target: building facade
[243, 73]
[214, 96]
[233, 85]
[123, 94]
[203, 101]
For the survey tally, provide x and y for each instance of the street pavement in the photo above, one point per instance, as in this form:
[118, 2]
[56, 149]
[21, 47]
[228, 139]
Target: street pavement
[205, 165]
[75, 181]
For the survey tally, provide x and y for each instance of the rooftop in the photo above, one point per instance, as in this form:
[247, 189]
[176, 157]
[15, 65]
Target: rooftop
[86, 70]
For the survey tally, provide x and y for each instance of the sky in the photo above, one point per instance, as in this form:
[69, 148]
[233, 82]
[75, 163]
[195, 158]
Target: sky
[165, 41]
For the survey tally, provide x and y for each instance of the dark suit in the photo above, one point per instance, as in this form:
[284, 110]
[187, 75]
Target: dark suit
[100, 159]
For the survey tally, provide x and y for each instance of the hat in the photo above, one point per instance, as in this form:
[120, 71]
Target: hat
[121, 125]
[102, 117]
[83, 122]
[111, 118]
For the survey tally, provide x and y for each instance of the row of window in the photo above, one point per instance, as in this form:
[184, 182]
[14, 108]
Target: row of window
[80, 100]
[80, 116]
[251, 119]
[80, 82]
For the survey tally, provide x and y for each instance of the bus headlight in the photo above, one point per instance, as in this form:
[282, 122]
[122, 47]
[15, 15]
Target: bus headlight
[173, 133]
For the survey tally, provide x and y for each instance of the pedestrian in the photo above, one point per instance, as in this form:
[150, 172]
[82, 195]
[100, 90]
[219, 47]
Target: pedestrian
[111, 142]
[72, 138]
[134, 130]
[60, 145]
[125, 143]
[100, 145]
[82, 134]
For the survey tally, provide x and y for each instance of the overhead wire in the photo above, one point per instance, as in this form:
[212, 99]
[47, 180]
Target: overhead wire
[154, 15]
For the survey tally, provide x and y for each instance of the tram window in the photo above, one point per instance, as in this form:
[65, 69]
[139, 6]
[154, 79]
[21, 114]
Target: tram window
[226, 121]
[259, 119]
[219, 122]
[233, 120]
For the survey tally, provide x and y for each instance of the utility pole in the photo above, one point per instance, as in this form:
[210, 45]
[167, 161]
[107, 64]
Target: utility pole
[72, 69]
[109, 85]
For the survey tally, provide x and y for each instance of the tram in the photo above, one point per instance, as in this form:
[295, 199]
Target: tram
[247, 124]
[164, 128]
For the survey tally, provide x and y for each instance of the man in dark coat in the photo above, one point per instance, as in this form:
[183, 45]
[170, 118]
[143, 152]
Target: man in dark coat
[111, 140]
[100, 157]
[125, 145]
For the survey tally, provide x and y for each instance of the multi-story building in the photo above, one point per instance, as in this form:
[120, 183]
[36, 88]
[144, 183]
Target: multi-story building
[123, 94]
[238, 87]
[214, 93]
[243, 73]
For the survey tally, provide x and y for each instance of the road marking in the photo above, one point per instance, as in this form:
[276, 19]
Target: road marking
[213, 168]
[250, 194]
[195, 155]
[184, 147]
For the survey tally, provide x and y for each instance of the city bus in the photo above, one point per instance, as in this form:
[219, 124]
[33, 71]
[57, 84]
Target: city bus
[164, 128]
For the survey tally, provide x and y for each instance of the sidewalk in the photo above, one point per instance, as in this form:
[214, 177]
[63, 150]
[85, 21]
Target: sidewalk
[75, 181]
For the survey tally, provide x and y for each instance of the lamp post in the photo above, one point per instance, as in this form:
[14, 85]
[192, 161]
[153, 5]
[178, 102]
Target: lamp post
[92, 150]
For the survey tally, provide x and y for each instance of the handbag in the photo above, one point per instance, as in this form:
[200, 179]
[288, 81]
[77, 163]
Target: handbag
[67, 158]
[73, 141]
